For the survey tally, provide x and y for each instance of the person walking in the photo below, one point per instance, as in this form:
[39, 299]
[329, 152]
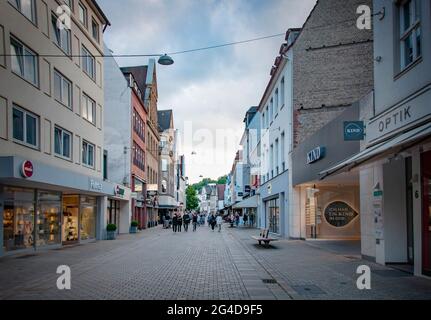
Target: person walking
[212, 221]
[245, 220]
[179, 222]
[252, 220]
[237, 220]
[174, 223]
[186, 220]
[194, 221]
[219, 222]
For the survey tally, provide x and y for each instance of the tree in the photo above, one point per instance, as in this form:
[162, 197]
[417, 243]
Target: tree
[222, 180]
[192, 201]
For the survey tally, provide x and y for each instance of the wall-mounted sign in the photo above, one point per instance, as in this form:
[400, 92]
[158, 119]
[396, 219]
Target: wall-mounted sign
[95, 185]
[247, 189]
[409, 112]
[339, 214]
[269, 188]
[119, 191]
[316, 155]
[354, 130]
[27, 169]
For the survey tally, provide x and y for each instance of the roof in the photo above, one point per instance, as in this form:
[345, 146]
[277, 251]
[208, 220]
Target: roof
[164, 118]
[139, 73]
[96, 5]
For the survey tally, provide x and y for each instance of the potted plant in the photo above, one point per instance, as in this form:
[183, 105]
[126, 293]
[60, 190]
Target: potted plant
[134, 227]
[111, 231]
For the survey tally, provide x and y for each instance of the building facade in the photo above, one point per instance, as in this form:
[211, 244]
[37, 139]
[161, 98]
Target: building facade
[52, 187]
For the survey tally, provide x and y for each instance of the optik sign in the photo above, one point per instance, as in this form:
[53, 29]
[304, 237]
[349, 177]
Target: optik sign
[354, 130]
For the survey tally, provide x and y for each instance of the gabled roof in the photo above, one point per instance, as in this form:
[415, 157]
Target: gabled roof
[139, 73]
[164, 118]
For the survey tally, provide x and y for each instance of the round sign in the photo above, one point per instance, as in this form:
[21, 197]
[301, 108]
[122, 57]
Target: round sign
[27, 169]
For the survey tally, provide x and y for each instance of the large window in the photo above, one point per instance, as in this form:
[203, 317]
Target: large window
[26, 7]
[138, 157]
[62, 143]
[88, 154]
[61, 35]
[83, 15]
[48, 218]
[88, 63]
[88, 218]
[24, 61]
[25, 127]
[410, 31]
[88, 109]
[62, 89]
[138, 125]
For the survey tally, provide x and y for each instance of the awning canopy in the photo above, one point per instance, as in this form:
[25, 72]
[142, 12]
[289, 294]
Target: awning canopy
[247, 203]
[396, 144]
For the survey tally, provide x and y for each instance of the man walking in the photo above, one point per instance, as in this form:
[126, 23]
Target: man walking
[219, 222]
[194, 221]
[179, 222]
[174, 223]
[186, 220]
[212, 221]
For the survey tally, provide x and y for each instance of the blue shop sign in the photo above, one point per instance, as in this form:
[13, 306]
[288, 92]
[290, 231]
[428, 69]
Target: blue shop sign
[316, 154]
[354, 130]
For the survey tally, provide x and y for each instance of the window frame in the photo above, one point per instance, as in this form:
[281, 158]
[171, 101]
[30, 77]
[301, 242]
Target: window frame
[87, 99]
[85, 11]
[93, 24]
[86, 55]
[59, 42]
[24, 128]
[25, 50]
[63, 79]
[63, 132]
[89, 144]
[18, 7]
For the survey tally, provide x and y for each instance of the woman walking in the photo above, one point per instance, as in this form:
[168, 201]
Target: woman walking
[219, 222]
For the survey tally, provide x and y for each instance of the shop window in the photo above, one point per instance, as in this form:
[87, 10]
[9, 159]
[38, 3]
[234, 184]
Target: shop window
[18, 219]
[70, 224]
[88, 218]
[48, 218]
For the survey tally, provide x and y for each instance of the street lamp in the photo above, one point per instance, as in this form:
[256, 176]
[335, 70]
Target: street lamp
[165, 60]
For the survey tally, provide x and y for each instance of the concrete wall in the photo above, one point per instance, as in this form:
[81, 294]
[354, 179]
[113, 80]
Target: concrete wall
[118, 119]
[327, 79]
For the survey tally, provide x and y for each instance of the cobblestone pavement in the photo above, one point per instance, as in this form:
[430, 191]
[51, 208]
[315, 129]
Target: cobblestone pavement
[158, 264]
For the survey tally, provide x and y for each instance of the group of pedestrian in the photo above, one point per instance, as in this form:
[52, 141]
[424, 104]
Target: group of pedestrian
[214, 221]
[179, 221]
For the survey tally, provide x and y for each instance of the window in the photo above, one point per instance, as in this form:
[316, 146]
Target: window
[138, 157]
[26, 7]
[138, 125]
[276, 157]
[164, 186]
[276, 102]
[88, 63]
[25, 127]
[62, 89]
[95, 30]
[88, 154]
[282, 93]
[62, 143]
[83, 18]
[271, 109]
[164, 165]
[69, 3]
[88, 109]
[61, 35]
[24, 61]
[283, 161]
[410, 32]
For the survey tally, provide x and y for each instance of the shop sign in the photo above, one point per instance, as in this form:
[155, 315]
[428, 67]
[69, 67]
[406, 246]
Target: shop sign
[95, 185]
[269, 188]
[27, 169]
[316, 155]
[247, 189]
[339, 214]
[354, 130]
[118, 191]
[407, 113]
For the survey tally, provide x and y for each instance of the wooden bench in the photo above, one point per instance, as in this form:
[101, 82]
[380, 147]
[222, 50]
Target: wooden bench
[264, 237]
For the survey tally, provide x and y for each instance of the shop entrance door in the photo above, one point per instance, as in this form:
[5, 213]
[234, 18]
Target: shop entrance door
[409, 211]
[426, 212]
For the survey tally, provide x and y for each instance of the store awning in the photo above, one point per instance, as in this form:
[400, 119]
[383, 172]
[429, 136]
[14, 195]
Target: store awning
[394, 145]
[247, 203]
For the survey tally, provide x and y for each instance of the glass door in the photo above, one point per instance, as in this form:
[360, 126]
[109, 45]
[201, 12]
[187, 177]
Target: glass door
[426, 211]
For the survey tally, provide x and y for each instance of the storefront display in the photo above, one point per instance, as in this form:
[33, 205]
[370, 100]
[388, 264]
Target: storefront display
[18, 219]
[88, 218]
[48, 218]
[70, 219]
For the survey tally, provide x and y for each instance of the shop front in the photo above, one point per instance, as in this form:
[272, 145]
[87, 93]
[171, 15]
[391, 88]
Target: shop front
[328, 209]
[48, 208]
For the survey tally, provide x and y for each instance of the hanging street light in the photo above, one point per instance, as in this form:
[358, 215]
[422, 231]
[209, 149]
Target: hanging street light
[166, 60]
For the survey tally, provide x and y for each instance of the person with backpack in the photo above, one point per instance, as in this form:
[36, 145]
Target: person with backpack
[186, 220]
[212, 221]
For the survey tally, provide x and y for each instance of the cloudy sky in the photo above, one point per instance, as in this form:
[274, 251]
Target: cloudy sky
[209, 91]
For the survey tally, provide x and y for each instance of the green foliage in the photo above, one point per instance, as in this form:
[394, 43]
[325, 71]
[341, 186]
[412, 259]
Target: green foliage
[192, 201]
[111, 227]
[134, 224]
[204, 182]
